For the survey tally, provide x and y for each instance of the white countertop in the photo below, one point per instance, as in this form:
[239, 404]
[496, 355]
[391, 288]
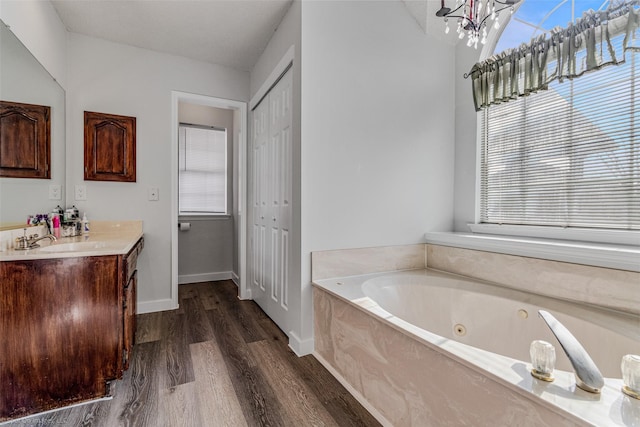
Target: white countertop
[105, 238]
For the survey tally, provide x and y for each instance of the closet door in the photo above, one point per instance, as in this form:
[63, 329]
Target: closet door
[270, 192]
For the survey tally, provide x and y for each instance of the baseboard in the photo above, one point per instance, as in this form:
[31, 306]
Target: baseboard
[157, 305]
[300, 347]
[355, 393]
[235, 278]
[204, 277]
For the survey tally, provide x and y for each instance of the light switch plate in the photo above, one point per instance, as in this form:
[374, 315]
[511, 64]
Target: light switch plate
[81, 192]
[154, 194]
[55, 192]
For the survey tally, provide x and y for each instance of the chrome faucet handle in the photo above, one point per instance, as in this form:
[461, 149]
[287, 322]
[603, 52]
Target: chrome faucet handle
[588, 376]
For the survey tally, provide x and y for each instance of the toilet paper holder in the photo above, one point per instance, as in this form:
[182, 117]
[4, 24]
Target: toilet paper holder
[184, 226]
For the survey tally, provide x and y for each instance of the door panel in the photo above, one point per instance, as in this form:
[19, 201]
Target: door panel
[271, 201]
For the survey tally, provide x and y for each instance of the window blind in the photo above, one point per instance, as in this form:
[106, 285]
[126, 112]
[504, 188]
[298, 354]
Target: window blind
[568, 156]
[202, 170]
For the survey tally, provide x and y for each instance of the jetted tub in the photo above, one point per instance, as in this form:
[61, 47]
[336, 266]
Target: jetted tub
[477, 325]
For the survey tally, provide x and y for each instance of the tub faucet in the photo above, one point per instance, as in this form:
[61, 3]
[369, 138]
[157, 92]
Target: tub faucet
[588, 376]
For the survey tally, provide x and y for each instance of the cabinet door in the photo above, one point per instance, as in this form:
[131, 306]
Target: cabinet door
[25, 140]
[59, 332]
[129, 308]
[109, 147]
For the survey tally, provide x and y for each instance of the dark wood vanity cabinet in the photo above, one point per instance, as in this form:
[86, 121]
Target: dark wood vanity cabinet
[67, 328]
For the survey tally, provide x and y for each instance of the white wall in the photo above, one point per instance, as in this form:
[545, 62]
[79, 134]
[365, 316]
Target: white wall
[466, 122]
[113, 78]
[37, 25]
[377, 130]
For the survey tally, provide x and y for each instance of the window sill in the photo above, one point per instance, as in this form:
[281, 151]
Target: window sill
[622, 257]
[204, 217]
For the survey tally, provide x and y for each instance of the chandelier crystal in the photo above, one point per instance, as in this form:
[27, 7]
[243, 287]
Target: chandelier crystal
[472, 17]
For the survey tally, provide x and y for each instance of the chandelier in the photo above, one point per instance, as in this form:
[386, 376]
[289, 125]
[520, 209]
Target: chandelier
[472, 16]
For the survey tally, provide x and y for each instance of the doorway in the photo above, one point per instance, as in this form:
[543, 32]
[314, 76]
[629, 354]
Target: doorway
[237, 210]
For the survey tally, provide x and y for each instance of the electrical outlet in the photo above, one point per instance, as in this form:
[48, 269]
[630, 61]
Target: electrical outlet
[81, 192]
[154, 194]
[55, 192]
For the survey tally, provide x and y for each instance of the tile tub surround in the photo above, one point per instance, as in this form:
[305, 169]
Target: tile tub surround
[412, 377]
[355, 339]
[350, 262]
[606, 287]
[113, 237]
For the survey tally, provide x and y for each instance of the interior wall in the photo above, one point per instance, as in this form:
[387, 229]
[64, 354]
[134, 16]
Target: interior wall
[114, 78]
[377, 130]
[466, 150]
[37, 25]
[206, 251]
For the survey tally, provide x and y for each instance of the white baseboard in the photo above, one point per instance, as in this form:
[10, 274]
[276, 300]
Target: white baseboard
[157, 305]
[235, 278]
[204, 277]
[355, 393]
[300, 347]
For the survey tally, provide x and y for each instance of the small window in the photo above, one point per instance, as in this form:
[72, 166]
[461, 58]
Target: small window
[202, 170]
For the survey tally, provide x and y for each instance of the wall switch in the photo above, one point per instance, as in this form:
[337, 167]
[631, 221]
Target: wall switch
[81, 192]
[154, 194]
[55, 192]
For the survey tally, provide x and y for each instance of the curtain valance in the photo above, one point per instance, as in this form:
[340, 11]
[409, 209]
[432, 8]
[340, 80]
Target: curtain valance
[563, 53]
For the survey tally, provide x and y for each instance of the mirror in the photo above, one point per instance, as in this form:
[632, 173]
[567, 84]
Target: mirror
[23, 79]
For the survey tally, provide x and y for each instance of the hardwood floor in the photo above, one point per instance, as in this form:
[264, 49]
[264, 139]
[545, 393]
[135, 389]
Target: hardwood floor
[216, 361]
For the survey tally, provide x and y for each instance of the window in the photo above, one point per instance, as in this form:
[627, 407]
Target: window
[202, 170]
[568, 156]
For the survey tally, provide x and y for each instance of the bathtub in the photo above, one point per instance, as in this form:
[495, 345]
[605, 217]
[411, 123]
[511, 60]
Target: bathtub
[424, 347]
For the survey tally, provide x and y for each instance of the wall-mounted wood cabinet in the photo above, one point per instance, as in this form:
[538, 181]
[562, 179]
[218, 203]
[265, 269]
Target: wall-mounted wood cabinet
[67, 329]
[109, 147]
[25, 140]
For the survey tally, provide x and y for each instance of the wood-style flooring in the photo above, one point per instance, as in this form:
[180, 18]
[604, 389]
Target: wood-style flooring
[216, 361]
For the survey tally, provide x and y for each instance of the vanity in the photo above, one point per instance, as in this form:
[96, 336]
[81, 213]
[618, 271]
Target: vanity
[67, 318]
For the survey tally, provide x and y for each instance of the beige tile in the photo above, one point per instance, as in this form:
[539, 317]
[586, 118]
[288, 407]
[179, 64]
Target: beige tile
[349, 262]
[606, 287]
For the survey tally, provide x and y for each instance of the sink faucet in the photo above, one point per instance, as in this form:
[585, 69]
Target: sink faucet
[33, 242]
[588, 376]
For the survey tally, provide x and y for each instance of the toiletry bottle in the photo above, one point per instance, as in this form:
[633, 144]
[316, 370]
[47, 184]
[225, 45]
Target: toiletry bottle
[56, 226]
[85, 224]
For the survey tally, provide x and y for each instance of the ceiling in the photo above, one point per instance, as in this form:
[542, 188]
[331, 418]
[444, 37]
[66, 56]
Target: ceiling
[226, 32]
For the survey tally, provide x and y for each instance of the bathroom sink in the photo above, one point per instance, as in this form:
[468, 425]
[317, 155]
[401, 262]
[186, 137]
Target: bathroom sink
[74, 247]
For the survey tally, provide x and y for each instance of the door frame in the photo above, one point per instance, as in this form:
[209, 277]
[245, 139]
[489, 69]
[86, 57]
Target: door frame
[241, 108]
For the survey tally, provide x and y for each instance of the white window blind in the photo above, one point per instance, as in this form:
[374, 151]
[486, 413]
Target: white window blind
[568, 156]
[202, 170]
